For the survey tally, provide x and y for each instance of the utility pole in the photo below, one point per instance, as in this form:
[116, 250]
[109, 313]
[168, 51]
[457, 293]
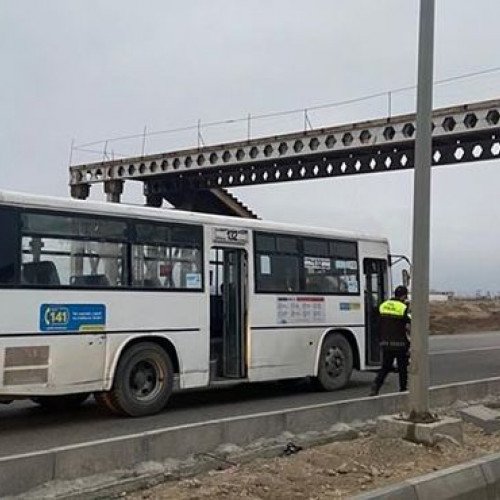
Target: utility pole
[419, 370]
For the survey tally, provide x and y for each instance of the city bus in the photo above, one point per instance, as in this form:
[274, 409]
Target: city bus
[131, 303]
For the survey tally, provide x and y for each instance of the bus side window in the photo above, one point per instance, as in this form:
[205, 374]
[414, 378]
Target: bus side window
[68, 250]
[167, 257]
[67, 262]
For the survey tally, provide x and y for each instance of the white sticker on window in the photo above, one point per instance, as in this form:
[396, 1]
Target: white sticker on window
[265, 264]
[317, 265]
[193, 280]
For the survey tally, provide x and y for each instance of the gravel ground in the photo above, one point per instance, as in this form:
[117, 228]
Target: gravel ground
[335, 470]
[342, 469]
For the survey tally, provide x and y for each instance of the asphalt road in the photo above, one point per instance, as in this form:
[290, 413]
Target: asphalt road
[25, 427]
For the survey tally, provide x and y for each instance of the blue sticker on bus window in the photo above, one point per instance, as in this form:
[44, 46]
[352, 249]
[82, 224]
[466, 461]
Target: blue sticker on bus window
[72, 317]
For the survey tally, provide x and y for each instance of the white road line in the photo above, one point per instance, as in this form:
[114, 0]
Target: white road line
[458, 351]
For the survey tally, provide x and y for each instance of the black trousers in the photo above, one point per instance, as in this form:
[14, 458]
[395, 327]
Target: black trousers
[388, 356]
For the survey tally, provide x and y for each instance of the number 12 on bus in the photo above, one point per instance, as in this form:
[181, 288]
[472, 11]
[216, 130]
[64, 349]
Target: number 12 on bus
[132, 303]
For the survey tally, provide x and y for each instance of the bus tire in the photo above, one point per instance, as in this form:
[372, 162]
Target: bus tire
[335, 363]
[103, 399]
[143, 380]
[66, 402]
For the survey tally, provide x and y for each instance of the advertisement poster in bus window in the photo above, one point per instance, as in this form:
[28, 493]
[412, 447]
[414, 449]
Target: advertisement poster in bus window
[72, 317]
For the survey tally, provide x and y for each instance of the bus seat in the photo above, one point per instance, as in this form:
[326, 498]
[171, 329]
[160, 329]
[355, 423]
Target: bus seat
[90, 280]
[40, 273]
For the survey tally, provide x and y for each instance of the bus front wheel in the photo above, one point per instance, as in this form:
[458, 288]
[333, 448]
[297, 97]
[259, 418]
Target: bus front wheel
[335, 363]
[143, 381]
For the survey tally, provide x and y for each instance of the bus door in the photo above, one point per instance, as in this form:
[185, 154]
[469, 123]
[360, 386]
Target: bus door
[375, 271]
[228, 313]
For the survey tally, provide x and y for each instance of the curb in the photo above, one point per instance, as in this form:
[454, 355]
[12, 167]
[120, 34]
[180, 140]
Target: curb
[147, 475]
[475, 480]
[20, 473]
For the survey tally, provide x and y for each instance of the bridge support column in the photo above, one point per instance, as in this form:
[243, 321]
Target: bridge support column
[80, 191]
[113, 190]
[154, 200]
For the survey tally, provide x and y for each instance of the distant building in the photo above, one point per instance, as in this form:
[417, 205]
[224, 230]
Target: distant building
[435, 296]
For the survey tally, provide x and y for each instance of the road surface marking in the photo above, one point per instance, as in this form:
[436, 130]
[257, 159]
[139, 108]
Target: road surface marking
[458, 351]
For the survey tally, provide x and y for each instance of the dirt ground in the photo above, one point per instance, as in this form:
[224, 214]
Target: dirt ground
[336, 470]
[458, 316]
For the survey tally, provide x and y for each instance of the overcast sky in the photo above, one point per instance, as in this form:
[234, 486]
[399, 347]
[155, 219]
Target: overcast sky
[90, 69]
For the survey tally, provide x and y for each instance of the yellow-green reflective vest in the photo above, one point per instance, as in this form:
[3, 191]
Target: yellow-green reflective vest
[393, 308]
[393, 323]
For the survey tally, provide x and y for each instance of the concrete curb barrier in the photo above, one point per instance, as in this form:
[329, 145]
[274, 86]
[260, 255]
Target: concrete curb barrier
[19, 473]
[475, 480]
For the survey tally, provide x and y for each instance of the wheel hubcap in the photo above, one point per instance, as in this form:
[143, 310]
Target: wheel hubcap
[334, 362]
[146, 380]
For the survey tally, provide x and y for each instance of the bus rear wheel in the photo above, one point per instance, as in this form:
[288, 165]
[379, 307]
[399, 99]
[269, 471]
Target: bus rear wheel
[66, 402]
[143, 381]
[335, 363]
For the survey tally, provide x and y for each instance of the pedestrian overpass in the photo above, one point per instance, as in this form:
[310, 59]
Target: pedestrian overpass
[196, 179]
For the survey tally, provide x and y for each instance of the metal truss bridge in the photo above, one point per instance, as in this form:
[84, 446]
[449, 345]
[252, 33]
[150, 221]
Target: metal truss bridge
[195, 178]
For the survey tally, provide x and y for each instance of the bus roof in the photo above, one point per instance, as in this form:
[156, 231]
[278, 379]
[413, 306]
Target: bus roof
[174, 215]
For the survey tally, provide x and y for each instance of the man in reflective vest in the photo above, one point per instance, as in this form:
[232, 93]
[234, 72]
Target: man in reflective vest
[394, 341]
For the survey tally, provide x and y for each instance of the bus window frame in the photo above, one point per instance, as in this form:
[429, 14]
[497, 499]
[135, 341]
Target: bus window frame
[128, 241]
[133, 240]
[301, 237]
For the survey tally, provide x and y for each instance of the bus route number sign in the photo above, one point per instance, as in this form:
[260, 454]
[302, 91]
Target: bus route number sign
[231, 235]
[56, 316]
[72, 317]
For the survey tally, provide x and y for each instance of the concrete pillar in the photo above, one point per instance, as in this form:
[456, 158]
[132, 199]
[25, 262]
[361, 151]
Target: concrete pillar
[154, 200]
[80, 191]
[113, 190]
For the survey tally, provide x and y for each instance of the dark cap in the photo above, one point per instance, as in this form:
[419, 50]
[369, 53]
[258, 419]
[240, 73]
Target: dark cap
[401, 291]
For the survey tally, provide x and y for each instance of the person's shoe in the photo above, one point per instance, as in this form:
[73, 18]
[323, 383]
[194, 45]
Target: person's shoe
[374, 391]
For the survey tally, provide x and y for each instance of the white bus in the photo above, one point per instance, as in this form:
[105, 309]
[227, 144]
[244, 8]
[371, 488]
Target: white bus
[130, 303]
